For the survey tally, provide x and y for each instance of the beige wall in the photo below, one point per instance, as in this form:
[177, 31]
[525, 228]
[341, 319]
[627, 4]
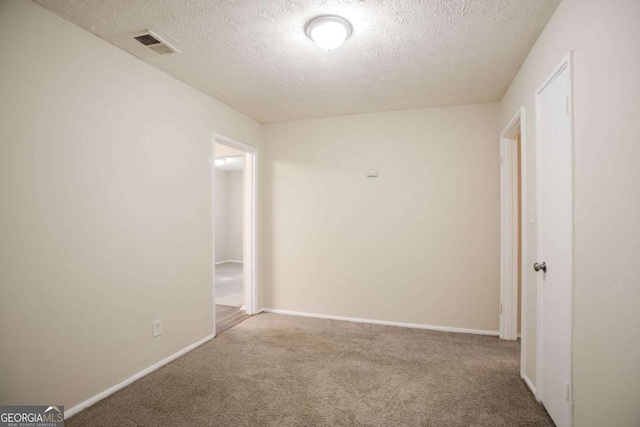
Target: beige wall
[221, 214]
[604, 35]
[229, 217]
[234, 215]
[105, 221]
[418, 244]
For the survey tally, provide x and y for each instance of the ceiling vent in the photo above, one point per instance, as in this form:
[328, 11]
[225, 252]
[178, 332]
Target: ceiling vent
[155, 43]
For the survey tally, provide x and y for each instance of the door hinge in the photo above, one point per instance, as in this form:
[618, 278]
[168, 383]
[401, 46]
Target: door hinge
[568, 393]
[567, 104]
[500, 159]
[500, 308]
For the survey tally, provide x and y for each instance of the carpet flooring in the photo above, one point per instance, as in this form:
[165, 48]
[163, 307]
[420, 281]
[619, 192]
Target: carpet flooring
[277, 370]
[227, 317]
[228, 279]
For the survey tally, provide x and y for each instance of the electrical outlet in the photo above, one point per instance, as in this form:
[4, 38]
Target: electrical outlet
[157, 328]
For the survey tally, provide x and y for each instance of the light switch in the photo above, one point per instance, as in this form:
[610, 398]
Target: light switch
[372, 173]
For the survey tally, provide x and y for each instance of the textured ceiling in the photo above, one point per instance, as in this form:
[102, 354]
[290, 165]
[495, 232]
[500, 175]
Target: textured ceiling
[254, 55]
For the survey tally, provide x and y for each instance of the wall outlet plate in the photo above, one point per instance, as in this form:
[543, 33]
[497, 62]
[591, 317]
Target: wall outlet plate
[372, 173]
[157, 328]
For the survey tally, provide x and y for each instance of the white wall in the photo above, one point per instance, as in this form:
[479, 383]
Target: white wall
[604, 35]
[221, 215]
[105, 220]
[228, 217]
[418, 244]
[234, 215]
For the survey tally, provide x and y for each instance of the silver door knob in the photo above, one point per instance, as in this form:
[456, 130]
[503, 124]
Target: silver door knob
[538, 267]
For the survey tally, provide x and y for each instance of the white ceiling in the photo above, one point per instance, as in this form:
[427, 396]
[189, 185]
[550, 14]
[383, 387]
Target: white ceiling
[254, 55]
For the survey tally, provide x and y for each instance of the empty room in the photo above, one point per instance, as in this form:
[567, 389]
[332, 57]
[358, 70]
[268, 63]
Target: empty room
[320, 213]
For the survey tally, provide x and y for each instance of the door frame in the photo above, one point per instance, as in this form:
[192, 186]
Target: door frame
[566, 63]
[250, 222]
[509, 230]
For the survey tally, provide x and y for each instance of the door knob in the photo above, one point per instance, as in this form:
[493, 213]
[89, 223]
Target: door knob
[538, 267]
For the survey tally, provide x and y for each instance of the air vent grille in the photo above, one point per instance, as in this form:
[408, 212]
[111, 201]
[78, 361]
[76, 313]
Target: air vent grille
[155, 43]
[147, 39]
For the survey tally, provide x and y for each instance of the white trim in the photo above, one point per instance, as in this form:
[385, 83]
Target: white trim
[512, 127]
[213, 234]
[523, 241]
[253, 238]
[235, 144]
[228, 260]
[250, 221]
[381, 322]
[566, 63]
[98, 397]
[531, 386]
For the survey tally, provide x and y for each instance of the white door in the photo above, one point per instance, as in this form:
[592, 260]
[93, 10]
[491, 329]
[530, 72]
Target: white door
[555, 243]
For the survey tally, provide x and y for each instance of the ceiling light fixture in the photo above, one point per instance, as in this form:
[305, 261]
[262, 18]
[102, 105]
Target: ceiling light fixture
[220, 162]
[328, 31]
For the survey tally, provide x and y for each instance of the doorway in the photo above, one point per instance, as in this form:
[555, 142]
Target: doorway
[513, 230]
[234, 186]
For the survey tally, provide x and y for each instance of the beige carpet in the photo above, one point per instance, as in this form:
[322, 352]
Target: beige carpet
[275, 370]
[227, 317]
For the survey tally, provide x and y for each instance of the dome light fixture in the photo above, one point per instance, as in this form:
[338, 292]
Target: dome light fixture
[328, 31]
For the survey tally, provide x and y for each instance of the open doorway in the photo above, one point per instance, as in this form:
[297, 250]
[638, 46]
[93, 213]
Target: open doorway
[234, 233]
[512, 230]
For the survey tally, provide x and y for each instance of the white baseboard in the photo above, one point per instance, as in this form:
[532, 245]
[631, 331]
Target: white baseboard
[382, 322]
[531, 386]
[228, 260]
[98, 397]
